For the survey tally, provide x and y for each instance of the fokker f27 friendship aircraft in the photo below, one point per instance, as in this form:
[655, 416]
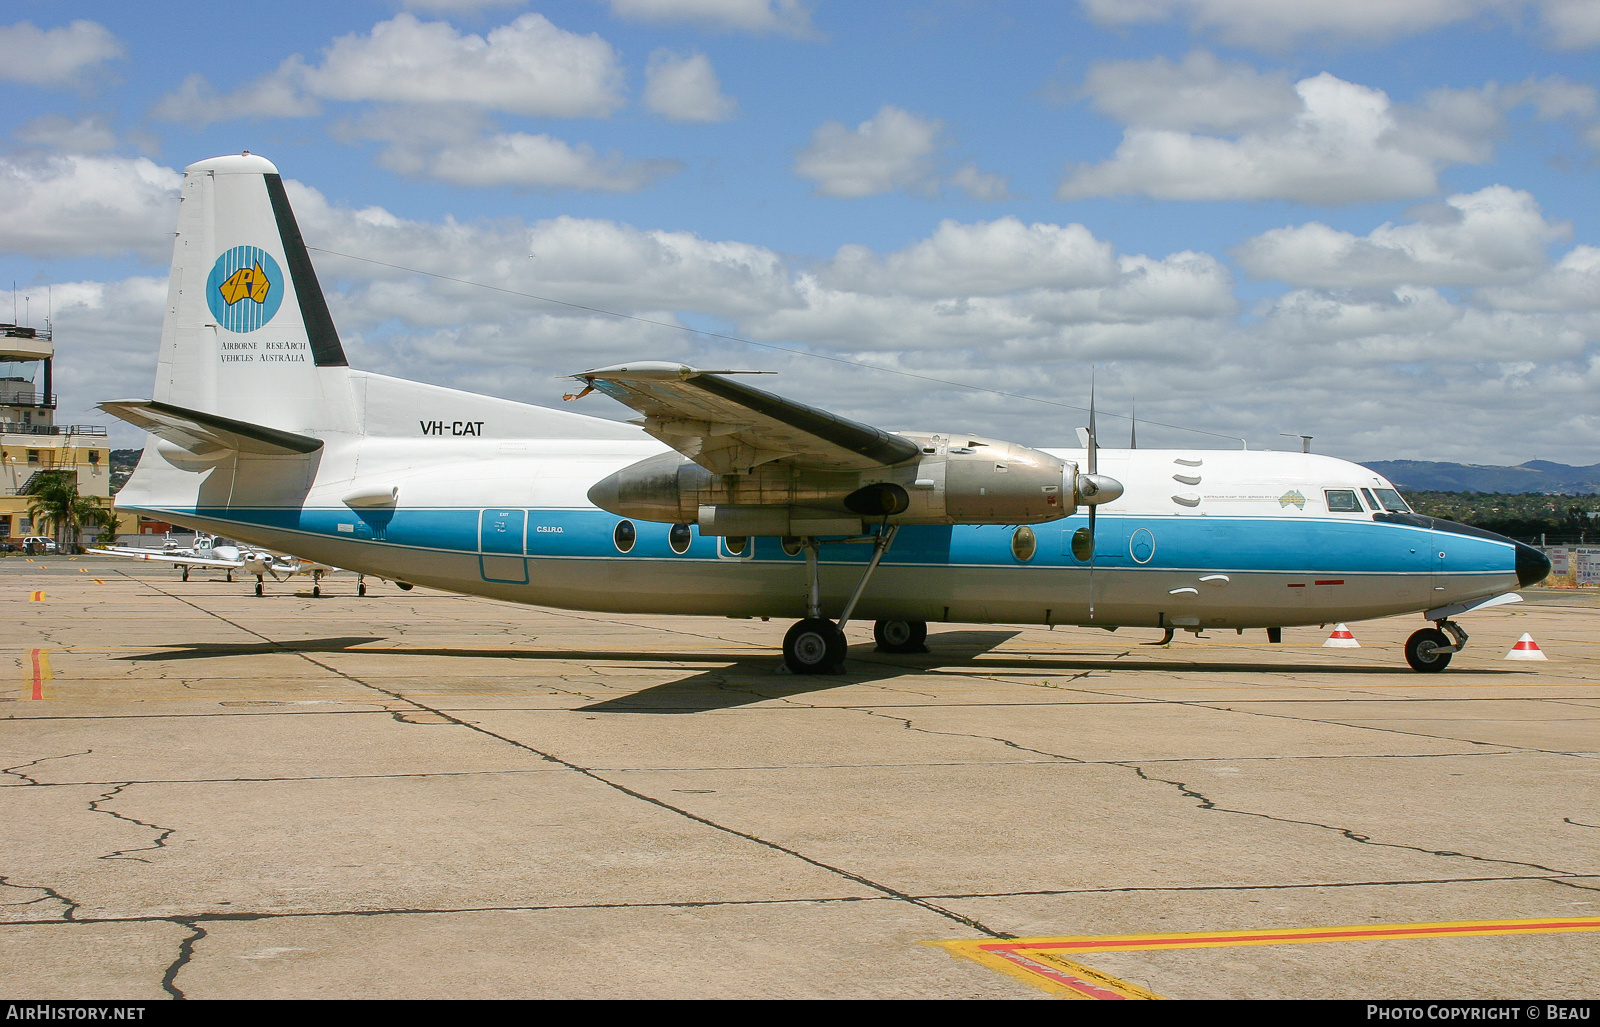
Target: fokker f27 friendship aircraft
[722, 499]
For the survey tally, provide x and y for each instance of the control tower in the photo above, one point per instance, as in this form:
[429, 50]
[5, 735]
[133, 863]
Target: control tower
[30, 440]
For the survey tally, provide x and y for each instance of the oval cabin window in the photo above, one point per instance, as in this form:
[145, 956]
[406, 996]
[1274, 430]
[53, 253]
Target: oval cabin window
[624, 535]
[679, 538]
[1024, 543]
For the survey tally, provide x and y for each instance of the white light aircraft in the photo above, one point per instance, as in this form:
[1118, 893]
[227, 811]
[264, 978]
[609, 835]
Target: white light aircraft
[723, 499]
[208, 551]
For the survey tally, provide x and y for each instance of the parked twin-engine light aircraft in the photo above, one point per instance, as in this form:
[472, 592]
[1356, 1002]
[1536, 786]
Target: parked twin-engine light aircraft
[208, 551]
[723, 499]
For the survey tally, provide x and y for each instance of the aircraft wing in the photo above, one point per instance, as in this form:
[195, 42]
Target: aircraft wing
[177, 559]
[726, 426]
[203, 434]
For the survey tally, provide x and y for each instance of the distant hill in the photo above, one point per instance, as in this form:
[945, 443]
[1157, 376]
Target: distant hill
[1541, 476]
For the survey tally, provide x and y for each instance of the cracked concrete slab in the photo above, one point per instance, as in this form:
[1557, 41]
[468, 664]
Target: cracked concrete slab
[414, 794]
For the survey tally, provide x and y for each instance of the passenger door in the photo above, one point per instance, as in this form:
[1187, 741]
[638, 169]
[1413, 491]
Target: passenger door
[501, 536]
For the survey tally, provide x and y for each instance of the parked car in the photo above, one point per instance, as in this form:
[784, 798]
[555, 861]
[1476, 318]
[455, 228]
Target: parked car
[35, 545]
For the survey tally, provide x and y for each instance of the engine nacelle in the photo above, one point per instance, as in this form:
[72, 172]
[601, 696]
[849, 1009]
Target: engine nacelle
[957, 479]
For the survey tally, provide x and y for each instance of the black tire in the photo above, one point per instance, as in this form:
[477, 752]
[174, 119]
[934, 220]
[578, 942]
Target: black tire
[900, 636]
[186, 574]
[814, 646]
[1421, 651]
[259, 589]
[361, 589]
[316, 591]
[404, 586]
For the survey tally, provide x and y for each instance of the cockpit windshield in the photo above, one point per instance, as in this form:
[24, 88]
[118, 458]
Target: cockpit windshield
[1391, 501]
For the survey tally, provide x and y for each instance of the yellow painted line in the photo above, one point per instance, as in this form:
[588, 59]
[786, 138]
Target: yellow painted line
[98, 581]
[1054, 974]
[36, 596]
[1041, 961]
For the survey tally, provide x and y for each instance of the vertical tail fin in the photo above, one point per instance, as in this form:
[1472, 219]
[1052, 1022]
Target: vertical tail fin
[247, 332]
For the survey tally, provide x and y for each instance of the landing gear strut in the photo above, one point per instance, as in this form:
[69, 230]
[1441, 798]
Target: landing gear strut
[1430, 649]
[316, 584]
[817, 645]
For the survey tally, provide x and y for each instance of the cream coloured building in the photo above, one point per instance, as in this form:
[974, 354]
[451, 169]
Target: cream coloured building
[30, 440]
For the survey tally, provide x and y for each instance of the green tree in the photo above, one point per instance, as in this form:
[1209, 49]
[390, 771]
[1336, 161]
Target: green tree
[56, 502]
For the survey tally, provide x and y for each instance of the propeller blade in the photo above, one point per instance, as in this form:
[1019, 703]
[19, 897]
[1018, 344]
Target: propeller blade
[1094, 443]
[1091, 563]
[1133, 426]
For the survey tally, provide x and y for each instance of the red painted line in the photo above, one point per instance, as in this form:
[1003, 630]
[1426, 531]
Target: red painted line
[1300, 585]
[38, 680]
[1335, 581]
[1077, 984]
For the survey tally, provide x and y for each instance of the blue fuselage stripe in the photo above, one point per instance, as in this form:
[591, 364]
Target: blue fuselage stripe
[1267, 544]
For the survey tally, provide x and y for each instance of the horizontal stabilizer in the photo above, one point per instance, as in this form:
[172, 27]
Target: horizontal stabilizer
[203, 434]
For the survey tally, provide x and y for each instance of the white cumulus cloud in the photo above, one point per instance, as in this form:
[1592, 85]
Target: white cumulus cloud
[526, 67]
[90, 134]
[1199, 93]
[78, 205]
[458, 144]
[1347, 143]
[685, 88]
[58, 57]
[277, 95]
[786, 16]
[892, 150]
[1495, 235]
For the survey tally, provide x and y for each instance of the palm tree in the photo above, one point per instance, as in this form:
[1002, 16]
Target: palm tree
[57, 503]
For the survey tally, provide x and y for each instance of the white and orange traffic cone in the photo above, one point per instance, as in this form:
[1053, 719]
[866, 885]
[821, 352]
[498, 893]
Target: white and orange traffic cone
[1526, 649]
[1341, 639]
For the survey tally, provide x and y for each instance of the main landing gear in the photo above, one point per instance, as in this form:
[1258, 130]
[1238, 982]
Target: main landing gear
[817, 645]
[1430, 649]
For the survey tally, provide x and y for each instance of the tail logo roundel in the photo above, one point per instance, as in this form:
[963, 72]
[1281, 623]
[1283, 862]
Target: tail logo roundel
[245, 289]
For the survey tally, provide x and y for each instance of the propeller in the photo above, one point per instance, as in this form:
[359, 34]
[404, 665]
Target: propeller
[1093, 488]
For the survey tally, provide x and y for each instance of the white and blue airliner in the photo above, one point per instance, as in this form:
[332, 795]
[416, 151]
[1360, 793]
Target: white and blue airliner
[721, 499]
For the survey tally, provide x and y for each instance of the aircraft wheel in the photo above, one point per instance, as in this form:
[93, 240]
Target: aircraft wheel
[361, 589]
[316, 591]
[186, 574]
[1422, 651]
[900, 636]
[814, 646]
[259, 589]
[404, 586]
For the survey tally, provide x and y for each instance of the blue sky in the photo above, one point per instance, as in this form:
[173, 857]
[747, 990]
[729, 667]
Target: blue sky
[1369, 222]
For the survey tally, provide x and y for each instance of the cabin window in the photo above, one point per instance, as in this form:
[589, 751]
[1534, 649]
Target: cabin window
[735, 544]
[624, 535]
[1024, 543]
[791, 545]
[1372, 503]
[1343, 501]
[1391, 501]
[679, 538]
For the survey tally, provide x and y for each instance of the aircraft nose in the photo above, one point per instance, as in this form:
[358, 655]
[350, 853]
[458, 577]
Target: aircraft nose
[1532, 565]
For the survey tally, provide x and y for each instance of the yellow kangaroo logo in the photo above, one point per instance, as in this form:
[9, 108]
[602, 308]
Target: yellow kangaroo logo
[246, 282]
